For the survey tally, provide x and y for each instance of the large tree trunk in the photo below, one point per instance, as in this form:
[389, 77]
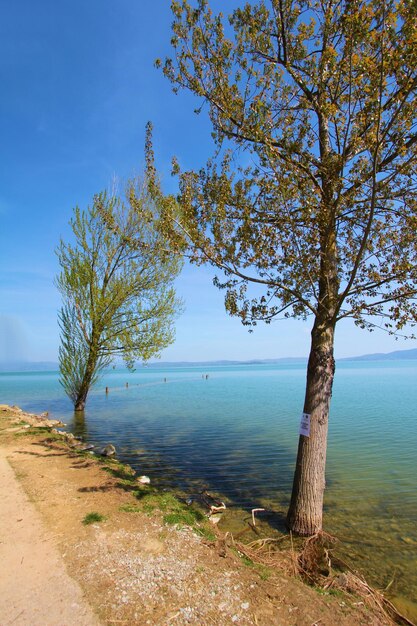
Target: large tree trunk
[306, 509]
[79, 404]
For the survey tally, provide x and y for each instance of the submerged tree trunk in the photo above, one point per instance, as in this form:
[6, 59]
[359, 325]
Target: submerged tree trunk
[79, 404]
[79, 425]
[82, 392]
[306, 508]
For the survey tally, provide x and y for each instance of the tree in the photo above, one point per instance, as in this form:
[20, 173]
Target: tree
[116, 284]
[311, 193]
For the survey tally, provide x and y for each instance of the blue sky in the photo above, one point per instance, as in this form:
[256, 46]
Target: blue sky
[77, 88]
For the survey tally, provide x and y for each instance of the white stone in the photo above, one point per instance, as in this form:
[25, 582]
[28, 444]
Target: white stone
[144, 480]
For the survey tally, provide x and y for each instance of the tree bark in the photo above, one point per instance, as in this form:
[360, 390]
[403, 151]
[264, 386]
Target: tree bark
[80, 401]
[306, 508]
[305, 514]
[79, 404]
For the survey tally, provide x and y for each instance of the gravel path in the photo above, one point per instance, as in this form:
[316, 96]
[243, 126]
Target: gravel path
[35, 588]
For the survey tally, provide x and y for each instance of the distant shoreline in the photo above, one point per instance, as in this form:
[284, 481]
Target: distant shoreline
[51, 366]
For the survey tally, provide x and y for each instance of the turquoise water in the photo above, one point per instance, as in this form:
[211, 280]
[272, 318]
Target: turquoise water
[236, 434]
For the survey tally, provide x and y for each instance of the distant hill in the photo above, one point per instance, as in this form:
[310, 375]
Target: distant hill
[397, 355]
[51, 366]
[225, 362]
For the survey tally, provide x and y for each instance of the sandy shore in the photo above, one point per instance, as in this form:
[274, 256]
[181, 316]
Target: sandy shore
[136, 566]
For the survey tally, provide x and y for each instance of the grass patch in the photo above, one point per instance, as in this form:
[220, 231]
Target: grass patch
[83, 453]
[152, 500]
[175, 512]
[180, 517]
[120, 471]
[245, 559]
[93, 517]
[206, 532]
[37, 430]
[54, 437]
[130, 508]
[264, 572]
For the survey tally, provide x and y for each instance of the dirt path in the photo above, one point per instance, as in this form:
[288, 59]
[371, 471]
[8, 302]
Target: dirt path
[35, 587]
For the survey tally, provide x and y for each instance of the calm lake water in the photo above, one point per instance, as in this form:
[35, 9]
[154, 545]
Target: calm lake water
[236, 434]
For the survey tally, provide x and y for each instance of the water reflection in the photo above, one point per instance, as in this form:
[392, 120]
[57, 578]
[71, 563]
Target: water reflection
[78, 425]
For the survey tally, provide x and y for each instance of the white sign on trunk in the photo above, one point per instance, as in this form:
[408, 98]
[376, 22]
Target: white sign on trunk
[305, 425]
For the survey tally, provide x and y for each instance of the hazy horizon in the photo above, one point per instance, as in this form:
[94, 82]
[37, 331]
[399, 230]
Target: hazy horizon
[406, 354]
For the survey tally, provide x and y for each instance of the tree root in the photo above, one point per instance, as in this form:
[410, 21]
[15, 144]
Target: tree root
[315, 563]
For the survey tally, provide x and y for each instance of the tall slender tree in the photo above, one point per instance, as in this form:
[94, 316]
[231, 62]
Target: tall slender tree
[117, 287]
[311, 194]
